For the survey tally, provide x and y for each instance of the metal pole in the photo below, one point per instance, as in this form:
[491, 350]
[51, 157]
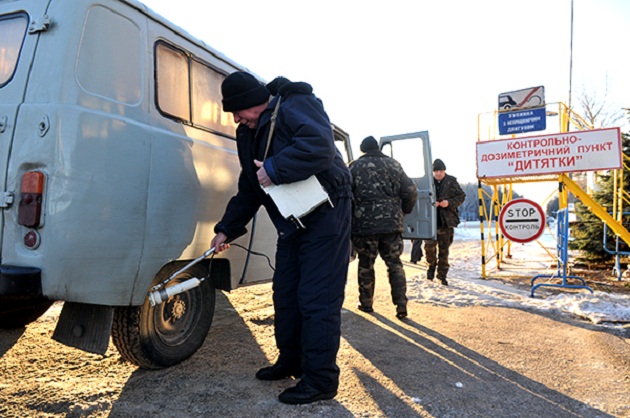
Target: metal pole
[570, 70]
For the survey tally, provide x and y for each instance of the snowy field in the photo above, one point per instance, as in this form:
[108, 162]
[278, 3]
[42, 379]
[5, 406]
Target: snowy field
[467, 288]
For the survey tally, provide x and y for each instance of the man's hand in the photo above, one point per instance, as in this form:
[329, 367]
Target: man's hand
[218, 242]
[441, 204]
[263, 178]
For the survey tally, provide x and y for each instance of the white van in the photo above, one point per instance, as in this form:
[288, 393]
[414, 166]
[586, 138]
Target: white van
[116, 163]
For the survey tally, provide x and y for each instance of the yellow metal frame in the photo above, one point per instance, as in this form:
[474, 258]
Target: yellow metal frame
[595, 207]
[497, 247]
[620, 196]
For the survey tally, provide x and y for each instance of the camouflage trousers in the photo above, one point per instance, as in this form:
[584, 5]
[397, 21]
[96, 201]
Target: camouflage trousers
[436, 252]
[390, 248]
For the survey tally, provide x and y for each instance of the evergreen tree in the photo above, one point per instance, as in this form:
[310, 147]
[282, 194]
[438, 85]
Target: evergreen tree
[469, 210]
[588, 231]
[552, 207]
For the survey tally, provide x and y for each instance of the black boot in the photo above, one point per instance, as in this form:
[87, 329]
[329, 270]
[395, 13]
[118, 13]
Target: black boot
[303, 393]
[401, 311]
[278, 372]
[365, 308]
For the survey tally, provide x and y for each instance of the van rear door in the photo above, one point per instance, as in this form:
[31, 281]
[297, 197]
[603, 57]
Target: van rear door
[413, 152]
[20, 22]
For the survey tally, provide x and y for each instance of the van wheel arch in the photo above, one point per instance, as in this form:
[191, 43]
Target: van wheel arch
[155, 337]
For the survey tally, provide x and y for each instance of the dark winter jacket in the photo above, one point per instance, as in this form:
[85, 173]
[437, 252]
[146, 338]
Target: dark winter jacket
[448, 189]
[382, 194]
[302, 145]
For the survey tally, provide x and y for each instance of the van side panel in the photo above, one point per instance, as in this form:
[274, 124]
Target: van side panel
[190, 187]
[189, 184]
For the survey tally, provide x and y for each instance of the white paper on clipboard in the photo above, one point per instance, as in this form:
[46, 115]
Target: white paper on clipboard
[295, 200]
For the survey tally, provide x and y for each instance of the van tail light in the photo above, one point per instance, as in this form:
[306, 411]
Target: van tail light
[30, 211]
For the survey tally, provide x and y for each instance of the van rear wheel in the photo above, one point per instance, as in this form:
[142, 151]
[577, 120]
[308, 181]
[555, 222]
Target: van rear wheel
[154, 337]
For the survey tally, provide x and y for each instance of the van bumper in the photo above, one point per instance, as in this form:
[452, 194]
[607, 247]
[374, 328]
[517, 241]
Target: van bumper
[15, 281]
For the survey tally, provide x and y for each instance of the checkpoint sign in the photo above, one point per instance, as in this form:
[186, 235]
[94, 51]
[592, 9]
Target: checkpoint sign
[522, 220]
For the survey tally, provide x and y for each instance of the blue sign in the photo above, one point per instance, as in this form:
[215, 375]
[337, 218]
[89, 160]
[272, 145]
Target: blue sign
[519, 121]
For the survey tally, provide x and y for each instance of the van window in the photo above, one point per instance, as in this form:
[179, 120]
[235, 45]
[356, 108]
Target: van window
[171, 82]
[409, 153]
[110, 66]
[12, 31]
[342, 150]
[206, 93]
[189, 90]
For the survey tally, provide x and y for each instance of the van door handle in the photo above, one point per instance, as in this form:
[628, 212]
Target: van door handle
[3, 123]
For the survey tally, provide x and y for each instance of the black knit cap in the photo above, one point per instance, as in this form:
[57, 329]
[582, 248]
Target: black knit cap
[241, 90]
[368, 144]
[438, 165]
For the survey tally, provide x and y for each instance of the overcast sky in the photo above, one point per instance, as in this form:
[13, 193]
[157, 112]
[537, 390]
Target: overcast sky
[386, 68]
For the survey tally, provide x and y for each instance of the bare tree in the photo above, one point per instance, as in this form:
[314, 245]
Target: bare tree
[595, 111]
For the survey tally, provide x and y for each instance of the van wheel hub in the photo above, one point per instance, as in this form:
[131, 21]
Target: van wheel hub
[178, 309]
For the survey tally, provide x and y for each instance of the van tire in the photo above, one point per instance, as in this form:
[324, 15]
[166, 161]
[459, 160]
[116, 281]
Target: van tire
[155, 337]
[17, 312]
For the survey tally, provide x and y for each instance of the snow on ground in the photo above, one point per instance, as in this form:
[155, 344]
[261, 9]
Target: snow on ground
[467, 288]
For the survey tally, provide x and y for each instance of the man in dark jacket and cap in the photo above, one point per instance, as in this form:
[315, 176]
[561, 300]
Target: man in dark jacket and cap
[312, 255]
[449, 196]
[382, 195]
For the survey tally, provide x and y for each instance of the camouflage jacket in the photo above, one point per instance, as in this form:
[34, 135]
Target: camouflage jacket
[449, 189]
[382, 194]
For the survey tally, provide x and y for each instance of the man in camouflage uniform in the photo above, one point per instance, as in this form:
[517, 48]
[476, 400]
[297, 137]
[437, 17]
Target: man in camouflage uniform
[449, 195]
[382, 195]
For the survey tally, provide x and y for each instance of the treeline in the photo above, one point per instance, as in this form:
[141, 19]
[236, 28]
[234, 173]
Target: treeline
[469, 210]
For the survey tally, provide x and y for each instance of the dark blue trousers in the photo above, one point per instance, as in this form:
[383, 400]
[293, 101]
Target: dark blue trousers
[308, 292]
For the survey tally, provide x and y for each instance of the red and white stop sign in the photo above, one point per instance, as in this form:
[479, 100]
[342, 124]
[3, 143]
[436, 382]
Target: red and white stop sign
[522, 220]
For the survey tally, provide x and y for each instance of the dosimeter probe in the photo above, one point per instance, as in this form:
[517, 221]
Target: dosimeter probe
[160, 293]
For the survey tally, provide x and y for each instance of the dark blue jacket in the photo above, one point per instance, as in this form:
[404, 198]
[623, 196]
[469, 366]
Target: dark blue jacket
[302, 145]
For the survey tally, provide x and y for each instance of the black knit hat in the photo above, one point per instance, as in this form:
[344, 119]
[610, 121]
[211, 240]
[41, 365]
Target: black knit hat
[241, 90]
[438, 165]
[368, 144]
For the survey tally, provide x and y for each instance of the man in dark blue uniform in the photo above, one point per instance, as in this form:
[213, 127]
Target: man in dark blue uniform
[311, 256]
